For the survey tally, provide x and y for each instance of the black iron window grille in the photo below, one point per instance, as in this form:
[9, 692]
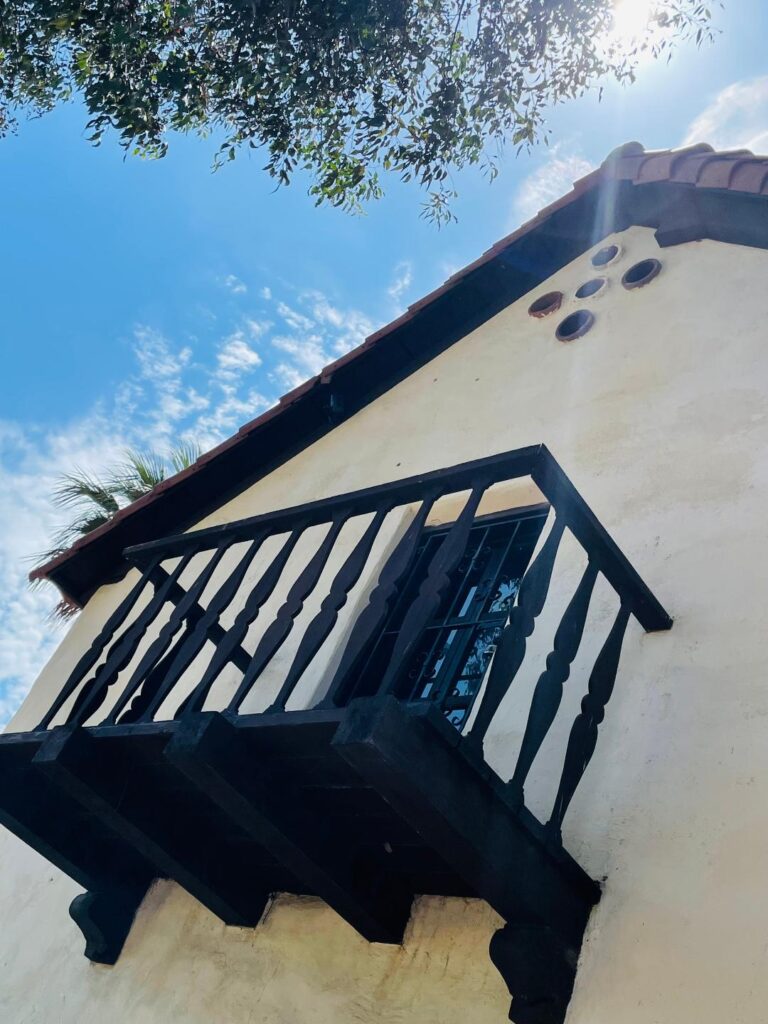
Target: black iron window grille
[458, 643]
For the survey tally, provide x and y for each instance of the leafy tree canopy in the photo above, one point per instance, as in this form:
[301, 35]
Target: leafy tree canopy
[342, 89]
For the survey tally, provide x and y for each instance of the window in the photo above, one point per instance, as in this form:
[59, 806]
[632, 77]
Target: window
[457, 645]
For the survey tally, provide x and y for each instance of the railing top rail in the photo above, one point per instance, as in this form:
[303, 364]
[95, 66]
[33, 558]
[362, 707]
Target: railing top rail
[493, 469]
[535, 461]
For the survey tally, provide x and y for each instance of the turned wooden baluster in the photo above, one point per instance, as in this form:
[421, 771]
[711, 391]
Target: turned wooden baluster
[549, 689]
[278, 631]
[94, 652]
[322, 624]
[159, 645]
[510, 650]
[197, 637]
[583, 738]
[372, 618]
[247, 615]
[444, 562]
[121, 652]
[153, 679]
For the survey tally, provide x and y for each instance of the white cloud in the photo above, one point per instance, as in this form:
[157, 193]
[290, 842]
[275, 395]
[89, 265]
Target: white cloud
[344, 329]
[156, 359]
[289, 376]
[159, 388]
[736, 118]
[402, 281]
[323, 311]
[266, 293]
[227, 415]
[295, 320]
[201, 391]
[551, 181]
[156, 407]
[236, 356]
[256, 328]
[321, 331]
[30, 463]
[235, 285]
[307, 352]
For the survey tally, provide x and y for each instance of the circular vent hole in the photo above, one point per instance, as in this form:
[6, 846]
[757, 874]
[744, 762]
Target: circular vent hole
[605, 256]
[546, 304]
[590, 288]
[641, 273]
[575, 325]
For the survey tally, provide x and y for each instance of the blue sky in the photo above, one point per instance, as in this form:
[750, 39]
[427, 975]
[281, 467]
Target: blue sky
[146, 301]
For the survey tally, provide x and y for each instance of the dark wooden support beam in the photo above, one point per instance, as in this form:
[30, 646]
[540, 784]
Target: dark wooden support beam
[408, 754]
[211, 753]
[52, 824]
[70, 758]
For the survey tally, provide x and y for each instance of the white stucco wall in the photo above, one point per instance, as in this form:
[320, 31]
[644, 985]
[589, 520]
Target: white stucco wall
[659, 417]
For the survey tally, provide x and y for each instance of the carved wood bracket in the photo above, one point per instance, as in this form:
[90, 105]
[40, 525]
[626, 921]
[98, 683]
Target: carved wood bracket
[105, 918]
[538, 968]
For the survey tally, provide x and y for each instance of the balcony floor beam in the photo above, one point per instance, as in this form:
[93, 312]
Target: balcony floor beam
[212, 753]
[71, 759]
[57, 827]
[409, 755]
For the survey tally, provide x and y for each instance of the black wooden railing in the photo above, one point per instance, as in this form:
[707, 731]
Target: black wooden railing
[190, 619]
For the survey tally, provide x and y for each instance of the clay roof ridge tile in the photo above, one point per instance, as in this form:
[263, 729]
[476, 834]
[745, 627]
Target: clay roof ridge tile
[698, 149]
[623, 164]
[719, 170]
[748, 175]
[655, 167]
[688, 168]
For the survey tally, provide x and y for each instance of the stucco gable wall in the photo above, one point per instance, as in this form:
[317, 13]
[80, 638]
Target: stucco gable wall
[659, 415]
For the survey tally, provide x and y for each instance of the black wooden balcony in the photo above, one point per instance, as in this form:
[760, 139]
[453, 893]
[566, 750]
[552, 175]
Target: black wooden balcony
[373, 795]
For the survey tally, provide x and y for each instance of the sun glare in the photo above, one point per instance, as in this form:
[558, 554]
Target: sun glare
[632, 20]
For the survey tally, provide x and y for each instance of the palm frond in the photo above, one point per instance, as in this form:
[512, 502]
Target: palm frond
[63, 610]
[81, 489]
[86, 522]
[41, 558]
[137, 474]
[148, 467]
[141, 472]
[94, 500]
[184, 454]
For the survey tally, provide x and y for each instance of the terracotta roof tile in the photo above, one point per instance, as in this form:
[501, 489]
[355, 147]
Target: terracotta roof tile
[656, 167]
[717, 172]
[700, 165]
[749, 175]
[625, 161]
[687, 170]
